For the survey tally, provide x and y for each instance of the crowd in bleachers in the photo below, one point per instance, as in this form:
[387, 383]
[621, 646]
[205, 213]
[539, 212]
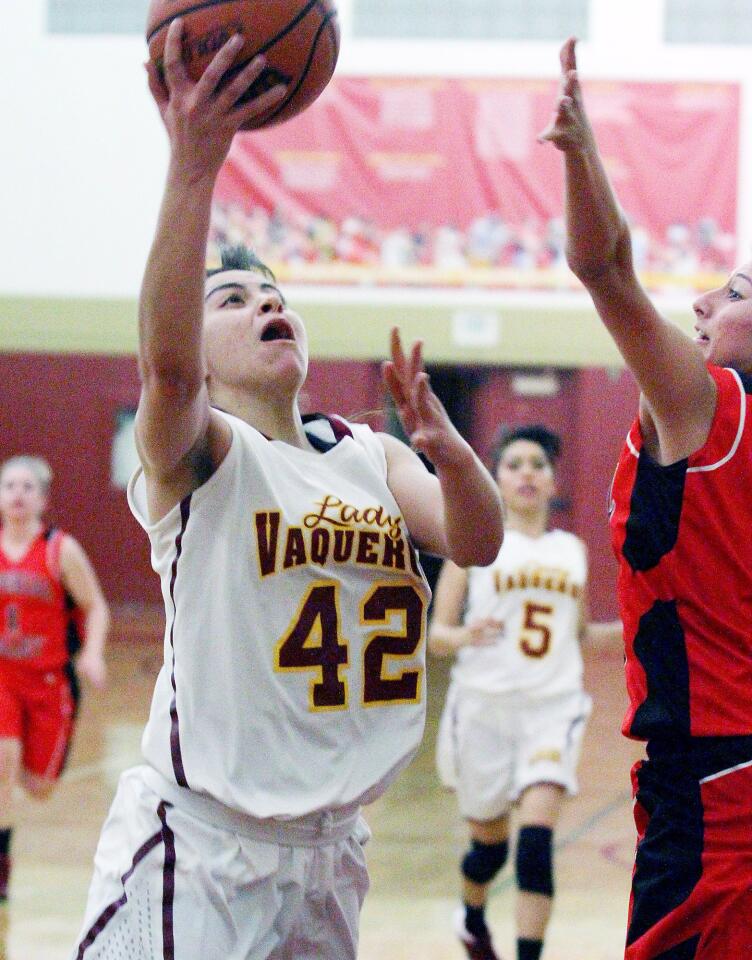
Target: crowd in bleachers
[489, 242]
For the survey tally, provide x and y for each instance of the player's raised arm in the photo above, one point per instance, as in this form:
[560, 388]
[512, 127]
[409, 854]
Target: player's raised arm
[201, 120]
[678, 392]
[457, 513]
[83, 585]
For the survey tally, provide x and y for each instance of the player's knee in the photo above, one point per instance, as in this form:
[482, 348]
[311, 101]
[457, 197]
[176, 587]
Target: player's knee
[535, 860]
[484, 860]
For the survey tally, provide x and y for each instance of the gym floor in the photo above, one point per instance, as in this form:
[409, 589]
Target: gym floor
[418, 837]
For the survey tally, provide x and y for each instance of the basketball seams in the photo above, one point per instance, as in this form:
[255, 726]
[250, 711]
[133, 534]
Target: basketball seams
[290, 26]
[184, 13]
[310, 47]
[206, 4]
[326, 22]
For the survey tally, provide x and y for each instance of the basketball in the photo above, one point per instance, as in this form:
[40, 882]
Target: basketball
[299, 38]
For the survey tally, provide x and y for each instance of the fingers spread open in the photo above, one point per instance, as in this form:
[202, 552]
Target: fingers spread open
[394, 384]
[398, 355]
[260, 104]
[174, 69]
[156, 85]
[424, 397]
[245, 77]
[416, 360]
[220, 64]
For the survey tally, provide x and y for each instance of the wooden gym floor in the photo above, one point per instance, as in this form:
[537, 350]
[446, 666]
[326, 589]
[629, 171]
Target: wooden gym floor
[418, 837]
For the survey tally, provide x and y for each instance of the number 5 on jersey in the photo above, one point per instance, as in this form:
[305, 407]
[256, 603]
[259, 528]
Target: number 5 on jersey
[313, 642]
[535, 638]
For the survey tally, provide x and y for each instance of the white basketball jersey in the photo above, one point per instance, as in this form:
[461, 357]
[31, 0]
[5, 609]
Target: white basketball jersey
[534, 587]
[294, 656]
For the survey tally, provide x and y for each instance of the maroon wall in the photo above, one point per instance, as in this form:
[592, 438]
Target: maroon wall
[591, 411]
[64, 408]
[606, 406]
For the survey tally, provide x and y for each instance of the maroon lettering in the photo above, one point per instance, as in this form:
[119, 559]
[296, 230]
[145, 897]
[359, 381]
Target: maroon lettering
[343, 545]
[384, 601]
[366, 553]
[267, 531]
[295, 551]
[320, 546]
[394, 553]
[318, 619]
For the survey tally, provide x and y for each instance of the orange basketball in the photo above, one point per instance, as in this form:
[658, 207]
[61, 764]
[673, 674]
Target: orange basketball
[299, 38]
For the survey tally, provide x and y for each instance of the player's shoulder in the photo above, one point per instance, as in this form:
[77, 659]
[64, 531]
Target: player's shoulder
[730, 433]
[57, 545]
[564, 536]
[734, 388]
[326, 430]
[566, 540]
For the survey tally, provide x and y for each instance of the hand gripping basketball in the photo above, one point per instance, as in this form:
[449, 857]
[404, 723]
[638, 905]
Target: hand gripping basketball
[202, 116]
[298, 38]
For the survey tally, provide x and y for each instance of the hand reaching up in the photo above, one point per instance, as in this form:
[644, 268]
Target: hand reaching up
[203, 116]
[569, 128]
[421, 413]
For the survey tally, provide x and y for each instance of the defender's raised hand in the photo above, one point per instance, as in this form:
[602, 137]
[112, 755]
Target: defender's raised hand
[203, 116]
[569, 128]
[421, 413]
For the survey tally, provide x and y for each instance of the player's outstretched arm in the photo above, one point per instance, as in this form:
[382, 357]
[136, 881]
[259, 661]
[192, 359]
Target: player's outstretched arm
[598, 634]
[201, 120]
[82, 583]
[604, 635]
[457, 513]
[679, 394]
[447, 634]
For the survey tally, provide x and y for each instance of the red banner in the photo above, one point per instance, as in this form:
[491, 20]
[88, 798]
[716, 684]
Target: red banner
[435, 181]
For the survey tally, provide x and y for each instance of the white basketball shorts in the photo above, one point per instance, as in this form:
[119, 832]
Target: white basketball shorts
[490, 748]
[180, 883]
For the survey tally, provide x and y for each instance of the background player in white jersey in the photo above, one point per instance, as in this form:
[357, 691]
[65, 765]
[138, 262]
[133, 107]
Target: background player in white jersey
[515, 711]
[292, 685]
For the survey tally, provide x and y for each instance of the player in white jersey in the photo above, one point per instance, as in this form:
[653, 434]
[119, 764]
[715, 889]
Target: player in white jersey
[515, 711]
[292, 689]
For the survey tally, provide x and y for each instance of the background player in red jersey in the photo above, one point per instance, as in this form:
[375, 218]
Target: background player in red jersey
[681, 513]
[42, 571]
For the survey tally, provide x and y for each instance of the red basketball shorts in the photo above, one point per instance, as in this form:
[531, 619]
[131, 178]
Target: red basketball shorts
[692, 882]
[37, 708]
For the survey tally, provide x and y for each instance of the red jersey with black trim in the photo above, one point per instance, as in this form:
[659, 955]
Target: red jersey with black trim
[683, 537]
[33, 612]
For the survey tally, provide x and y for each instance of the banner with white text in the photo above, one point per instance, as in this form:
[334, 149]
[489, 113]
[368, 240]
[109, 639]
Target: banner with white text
[442, 182]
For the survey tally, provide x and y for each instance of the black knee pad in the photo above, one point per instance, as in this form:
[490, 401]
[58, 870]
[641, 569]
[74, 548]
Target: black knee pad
[535, 860]
[484, 860]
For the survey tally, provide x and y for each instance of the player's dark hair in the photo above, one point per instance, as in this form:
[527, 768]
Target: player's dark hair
[546, 439]
[240, 257]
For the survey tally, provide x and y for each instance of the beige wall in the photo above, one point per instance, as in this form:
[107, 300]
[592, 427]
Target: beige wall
[533, 331]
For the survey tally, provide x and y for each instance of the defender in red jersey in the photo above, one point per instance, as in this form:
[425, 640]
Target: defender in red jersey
[681, 515]
[43, 574]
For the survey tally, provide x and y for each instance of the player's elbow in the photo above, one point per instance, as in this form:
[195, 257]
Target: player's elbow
[480, 550]
[437, 643]
[597, 267]
[165, 376]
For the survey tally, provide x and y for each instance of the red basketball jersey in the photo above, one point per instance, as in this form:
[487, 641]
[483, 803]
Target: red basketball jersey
[33, 613]
[683, 537]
